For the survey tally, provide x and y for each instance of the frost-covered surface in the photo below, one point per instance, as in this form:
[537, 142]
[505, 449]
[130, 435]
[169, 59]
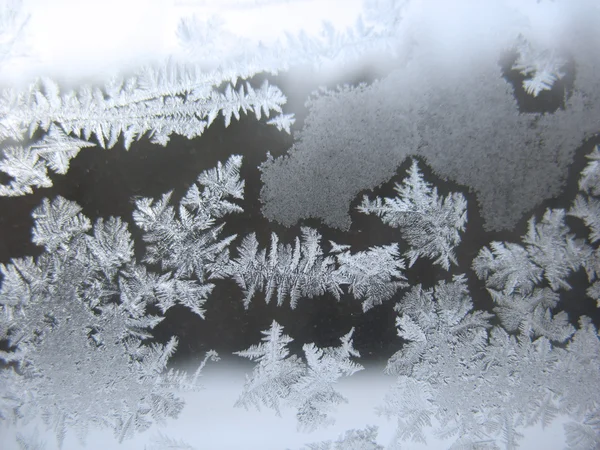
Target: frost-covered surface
[484, 386]
[587, 207]
[168, 97]
[76, 317]
[429, 223]
[307, 385]
[77, 322]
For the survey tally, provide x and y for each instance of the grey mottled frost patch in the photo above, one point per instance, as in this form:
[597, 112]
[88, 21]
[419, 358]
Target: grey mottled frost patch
[466, 124]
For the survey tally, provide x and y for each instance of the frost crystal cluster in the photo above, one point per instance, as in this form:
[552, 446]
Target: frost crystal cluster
[187, 243]
[481, 386]
[307, 385]
[78, 316]
[84, 327]
[429, 223]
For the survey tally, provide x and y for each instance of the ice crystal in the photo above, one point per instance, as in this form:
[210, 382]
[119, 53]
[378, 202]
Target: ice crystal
[552, 248]
[590, 177]
[27, 166]
[542, 67]
[373, 275]
[551, 252]
[297, 272]
[305, 385]
[431, 224]
[157, 101]
[588, 210]
[507, 267]
[188, 244]
[304, 271]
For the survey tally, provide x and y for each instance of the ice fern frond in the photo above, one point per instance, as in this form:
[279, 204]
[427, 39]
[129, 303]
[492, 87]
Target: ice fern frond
[77, 316]
[313, 394]
[275, 373]
[550, 253]
[283, 122]
[219, 184]
[298, 271]
[426, 316]
[507, 267]
[589, 181]
[551, 247]
[58, 223]
[588, 210]
[156, 101]
[430, 224]
[28, 166]
[305, 385]
[373, 276]
[542, 67]
[531, 314]
[411, 402]
[159, 101]
[188, 242]
[304, 271]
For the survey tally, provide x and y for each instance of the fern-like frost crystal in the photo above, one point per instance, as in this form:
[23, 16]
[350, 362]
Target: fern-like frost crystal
[187, 242]
[305, 385]
[542, 67]
[304, 271]
[431, 224]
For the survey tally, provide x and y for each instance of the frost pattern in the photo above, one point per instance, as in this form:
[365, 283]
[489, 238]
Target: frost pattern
[373, 275]
[294, 272]
[157, 101]
[587, 207]
[514, 276]
[28, 166]
[305, 385]
[512, 381]
[188, 243]
[431, 224]
[73, 318]
[355, 137]
[356, 439]
[590, 177]
[304, 271]
[244, 58]
[542, 67]
[553, 249]
[551, 252]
